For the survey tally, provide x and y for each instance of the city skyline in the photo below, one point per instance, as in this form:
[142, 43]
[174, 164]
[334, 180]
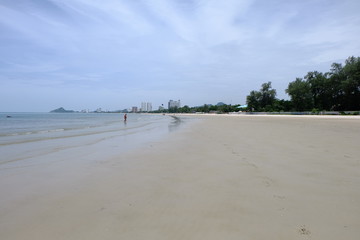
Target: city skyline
[85, 54]
[144, 107]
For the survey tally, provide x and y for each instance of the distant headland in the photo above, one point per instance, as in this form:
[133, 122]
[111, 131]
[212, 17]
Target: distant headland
[61, 110]
[99, 110]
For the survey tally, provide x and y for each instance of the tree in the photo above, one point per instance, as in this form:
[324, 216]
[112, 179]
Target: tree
[300, 94]
[268, 95]
[206, 108]
[345, 81]
[173, 110]
[350, 84]
[253, 100]
[319, 90]
[282, 105]
[262, 100]
[185, 109]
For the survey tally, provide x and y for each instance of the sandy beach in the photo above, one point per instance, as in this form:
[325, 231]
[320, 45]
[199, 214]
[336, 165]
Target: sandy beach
[219, 177]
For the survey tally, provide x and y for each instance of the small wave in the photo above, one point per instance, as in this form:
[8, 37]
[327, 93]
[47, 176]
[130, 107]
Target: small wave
[11, 134]
[77, 131]
[32, 132]
[59, 130]
[51, 130]
[15, 134]
[42, 132]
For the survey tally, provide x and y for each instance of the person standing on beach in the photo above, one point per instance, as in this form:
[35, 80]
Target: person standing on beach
[125, 117]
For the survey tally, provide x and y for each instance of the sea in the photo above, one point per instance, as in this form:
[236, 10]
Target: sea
[29, 137]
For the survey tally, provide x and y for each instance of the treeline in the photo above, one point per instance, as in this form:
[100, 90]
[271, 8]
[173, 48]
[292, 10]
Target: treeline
[337, 90]
[206, 108]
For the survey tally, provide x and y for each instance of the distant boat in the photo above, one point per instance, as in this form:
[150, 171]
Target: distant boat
[8, 116]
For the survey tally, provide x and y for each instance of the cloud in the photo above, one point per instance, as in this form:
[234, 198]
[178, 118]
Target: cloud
[218, 48]
[203, 23]
[115, 16]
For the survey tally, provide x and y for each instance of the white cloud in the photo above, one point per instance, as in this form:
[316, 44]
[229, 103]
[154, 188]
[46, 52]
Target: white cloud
[220, 48]
[207, 23]
[110, 13]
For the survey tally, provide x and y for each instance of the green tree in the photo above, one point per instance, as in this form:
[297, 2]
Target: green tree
[206, 108]
[213, 108]
[319, 89]
[185, 109]
[173, 110]
[282, 106]
[300, 94]
[262, 100]
[253, 100]
[268, 95]
[345, 84]
[350, 84]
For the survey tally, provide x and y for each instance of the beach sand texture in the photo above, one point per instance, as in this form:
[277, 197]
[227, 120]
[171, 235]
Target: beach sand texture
[222, 177]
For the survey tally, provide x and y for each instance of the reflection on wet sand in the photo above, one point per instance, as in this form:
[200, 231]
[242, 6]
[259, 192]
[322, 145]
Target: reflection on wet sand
[175, 123]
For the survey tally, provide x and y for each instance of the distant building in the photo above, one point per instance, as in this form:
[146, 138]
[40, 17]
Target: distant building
[161, 108]
[134, 109]
[149, 106]
[143, 107]
[146, 107]
[174, 104]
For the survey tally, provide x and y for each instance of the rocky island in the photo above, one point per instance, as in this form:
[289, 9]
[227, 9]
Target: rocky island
[61, 110]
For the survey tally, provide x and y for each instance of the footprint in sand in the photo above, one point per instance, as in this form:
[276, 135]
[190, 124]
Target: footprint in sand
[249, 163]
[235, 153]
[267, 181]
[304, 231]
[279, 197]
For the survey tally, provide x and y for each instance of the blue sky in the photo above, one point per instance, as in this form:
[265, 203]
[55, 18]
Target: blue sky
[114, 54]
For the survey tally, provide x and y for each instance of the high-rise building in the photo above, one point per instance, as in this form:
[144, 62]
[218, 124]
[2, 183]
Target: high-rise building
[143, 107]
[149, 107]
[174, 104]
[134, 109]
[146, 107]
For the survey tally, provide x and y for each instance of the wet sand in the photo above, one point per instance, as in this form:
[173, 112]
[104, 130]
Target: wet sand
[223, 177]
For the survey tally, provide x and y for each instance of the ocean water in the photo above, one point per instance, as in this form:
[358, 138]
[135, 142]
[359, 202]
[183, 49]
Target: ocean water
[28, 137]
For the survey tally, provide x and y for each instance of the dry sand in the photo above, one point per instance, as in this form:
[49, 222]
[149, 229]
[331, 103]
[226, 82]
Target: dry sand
[224, 177]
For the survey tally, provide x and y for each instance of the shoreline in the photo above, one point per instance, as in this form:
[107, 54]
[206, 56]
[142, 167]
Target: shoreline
[315, 116]
[249, 177]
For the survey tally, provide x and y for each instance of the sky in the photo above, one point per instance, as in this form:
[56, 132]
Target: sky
[115, 54]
